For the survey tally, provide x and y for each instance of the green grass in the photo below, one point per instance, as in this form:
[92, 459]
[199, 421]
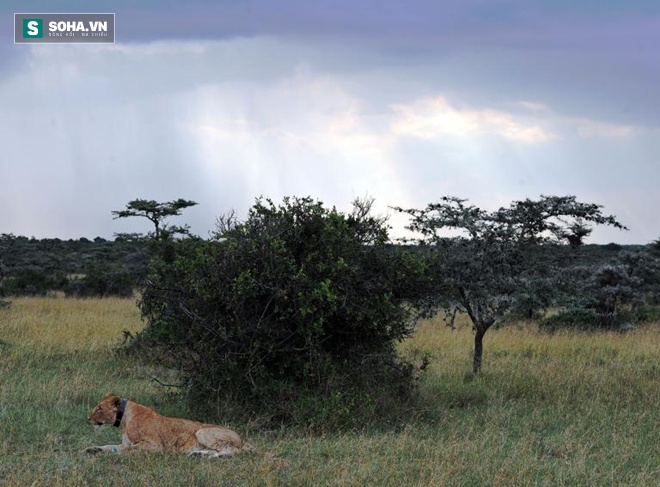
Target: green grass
[549, 410]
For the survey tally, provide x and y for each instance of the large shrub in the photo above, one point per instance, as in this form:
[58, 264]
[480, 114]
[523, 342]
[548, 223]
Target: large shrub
[292, 315]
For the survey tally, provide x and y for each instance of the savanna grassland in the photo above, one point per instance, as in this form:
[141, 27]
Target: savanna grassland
[564, 409]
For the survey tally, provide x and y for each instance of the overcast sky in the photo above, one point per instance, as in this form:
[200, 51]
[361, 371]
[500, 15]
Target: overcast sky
[221, 102]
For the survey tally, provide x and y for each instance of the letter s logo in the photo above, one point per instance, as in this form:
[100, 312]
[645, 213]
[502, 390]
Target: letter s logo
[33, 28]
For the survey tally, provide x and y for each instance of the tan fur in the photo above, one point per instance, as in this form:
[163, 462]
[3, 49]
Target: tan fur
[143, 428]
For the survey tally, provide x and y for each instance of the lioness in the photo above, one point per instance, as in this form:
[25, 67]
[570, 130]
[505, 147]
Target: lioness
[143, 428]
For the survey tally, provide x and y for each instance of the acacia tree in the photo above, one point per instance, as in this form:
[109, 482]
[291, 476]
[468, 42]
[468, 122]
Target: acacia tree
[157, 213]
[500, 262]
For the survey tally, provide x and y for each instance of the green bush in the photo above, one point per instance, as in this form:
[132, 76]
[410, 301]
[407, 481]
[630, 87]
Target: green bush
[611, 295]
[593, 319]
[33, 282]
[579, 318]
[101, 281]
[644, 314]
[291, 316]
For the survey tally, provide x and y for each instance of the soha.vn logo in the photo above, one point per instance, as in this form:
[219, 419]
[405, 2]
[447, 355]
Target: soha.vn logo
[58, 28]
[33, 28]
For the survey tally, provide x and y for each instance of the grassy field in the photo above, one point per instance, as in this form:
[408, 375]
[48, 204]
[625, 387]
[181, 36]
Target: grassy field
[549, 410]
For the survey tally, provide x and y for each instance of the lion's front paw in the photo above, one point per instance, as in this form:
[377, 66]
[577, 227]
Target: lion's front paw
[93, 450]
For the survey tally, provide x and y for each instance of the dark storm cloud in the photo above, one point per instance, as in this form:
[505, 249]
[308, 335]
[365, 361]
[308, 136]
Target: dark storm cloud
[593, 58]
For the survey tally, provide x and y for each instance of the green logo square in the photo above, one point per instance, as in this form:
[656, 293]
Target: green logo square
[33, 28]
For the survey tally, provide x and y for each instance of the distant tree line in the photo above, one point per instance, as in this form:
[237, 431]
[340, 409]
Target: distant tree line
[88, 268]
[78, 268]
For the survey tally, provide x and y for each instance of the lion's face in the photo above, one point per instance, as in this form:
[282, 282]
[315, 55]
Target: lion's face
[105, 411]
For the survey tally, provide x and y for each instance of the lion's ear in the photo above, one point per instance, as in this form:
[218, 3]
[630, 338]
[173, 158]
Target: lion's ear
[114, 399]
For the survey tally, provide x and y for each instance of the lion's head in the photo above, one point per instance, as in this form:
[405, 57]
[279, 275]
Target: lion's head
[105, 412]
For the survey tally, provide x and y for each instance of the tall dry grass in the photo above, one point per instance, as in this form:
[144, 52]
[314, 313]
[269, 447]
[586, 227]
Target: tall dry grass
[67, 325]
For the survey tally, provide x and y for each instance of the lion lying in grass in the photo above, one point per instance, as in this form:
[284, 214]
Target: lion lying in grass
[144, 429]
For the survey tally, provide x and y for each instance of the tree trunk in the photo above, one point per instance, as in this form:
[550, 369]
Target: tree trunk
[478, 348]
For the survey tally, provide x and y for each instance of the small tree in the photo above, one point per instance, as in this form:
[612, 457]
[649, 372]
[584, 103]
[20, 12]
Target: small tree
[499, 264]
[576, 232]
[157, 213]
[654, 246]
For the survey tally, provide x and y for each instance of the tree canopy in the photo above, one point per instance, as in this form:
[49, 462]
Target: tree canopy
[496, 264]
[157, 213]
